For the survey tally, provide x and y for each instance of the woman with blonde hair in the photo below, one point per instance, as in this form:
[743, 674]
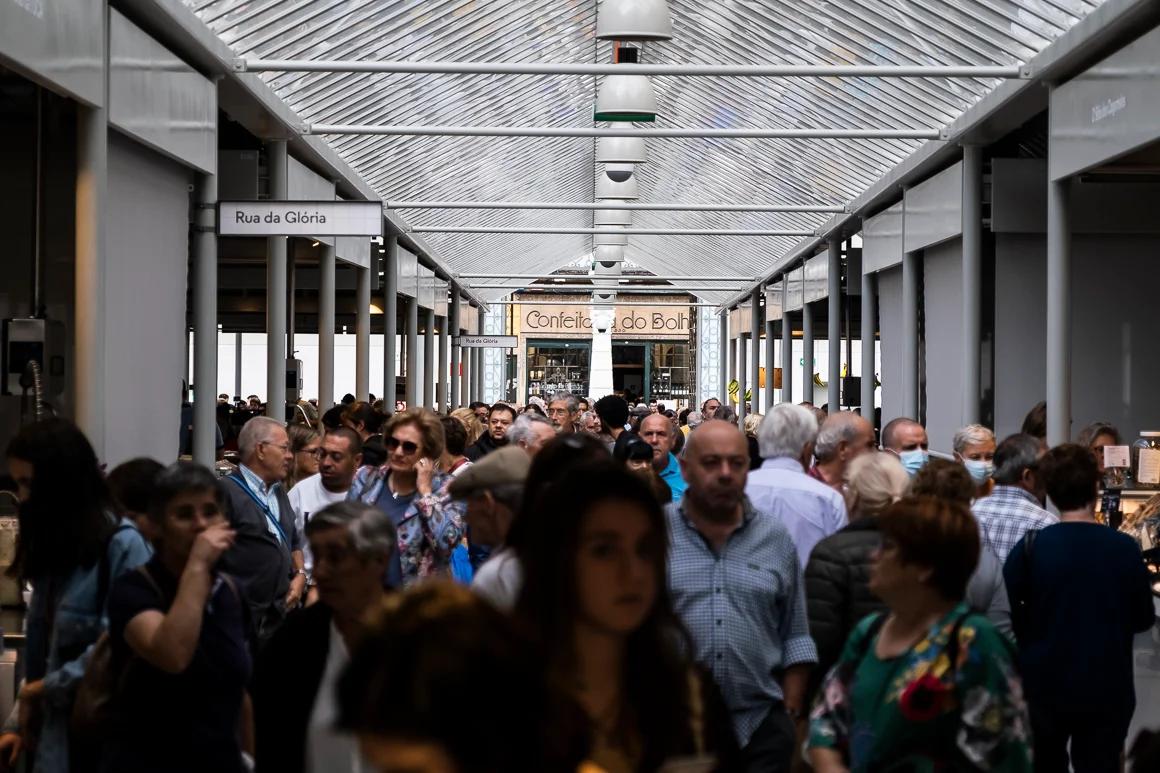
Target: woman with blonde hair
[838, 573]
[305, 443]
[475, 427]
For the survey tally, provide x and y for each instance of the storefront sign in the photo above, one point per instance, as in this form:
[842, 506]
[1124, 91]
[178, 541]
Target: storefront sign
[487, 342]
[630, 321]
[300, 218]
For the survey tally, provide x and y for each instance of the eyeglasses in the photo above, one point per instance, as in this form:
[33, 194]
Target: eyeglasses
[310, 451]
[335, 456]
[393, 443]
[284, 446]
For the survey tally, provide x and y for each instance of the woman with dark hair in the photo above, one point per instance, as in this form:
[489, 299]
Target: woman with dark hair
[131, 485]
[928, 685]
[366, 421]
[70, 548]
[425, 656]
[408, 488]
[595, 599]
[183, 627]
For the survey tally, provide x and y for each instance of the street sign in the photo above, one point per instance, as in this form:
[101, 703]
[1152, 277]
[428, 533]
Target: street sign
[487, 342]
[300, 218]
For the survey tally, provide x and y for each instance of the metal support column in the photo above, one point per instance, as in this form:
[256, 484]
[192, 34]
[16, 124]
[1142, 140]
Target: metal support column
[479, 369]
[755, 328]
[770, 361]
[362, 336]
[465, 381]
[442, 401]
[429, 358]
[205, 332]
[910, 269]
[390, 321]
[91, 188]
[723, 357]
[456, 398]
[742, 375]
[807, 353]
[972, 214]
[1058, 312]
[834, 326]
[277, 159]
[326, 293]
[869, 338]
[238, 366]
[413, 391]
[786, 344]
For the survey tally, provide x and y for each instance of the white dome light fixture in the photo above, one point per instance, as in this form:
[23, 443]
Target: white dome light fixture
[610, 189]
[626, 98]
[603, 217]
[634, 20]
[621, 150]
[616, 240]
[619, 173]
[608, 253]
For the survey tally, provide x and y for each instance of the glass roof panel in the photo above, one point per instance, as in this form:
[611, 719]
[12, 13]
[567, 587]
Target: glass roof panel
[703, 170]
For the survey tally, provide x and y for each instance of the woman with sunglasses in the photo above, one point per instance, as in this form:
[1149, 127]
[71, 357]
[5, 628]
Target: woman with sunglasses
[408, 488]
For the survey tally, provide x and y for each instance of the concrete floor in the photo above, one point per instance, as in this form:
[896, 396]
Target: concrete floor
[1146, 650]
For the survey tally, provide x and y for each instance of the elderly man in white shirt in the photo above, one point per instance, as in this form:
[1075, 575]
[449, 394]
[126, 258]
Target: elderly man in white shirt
[809, 509]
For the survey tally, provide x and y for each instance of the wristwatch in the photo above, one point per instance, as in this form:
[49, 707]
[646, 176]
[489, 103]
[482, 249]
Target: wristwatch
[304, 573]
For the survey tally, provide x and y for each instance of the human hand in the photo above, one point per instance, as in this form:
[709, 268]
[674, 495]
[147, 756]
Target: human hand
[11, 747]
[210, 544]
[425, 472]
[297, 588]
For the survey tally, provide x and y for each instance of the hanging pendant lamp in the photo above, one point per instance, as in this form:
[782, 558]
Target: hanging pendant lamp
[608, 255]
[610, 189]
[619, 173]
[626, 98]
[634, 20]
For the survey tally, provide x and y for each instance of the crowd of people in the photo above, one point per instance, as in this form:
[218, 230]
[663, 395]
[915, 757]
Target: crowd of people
[575, 585]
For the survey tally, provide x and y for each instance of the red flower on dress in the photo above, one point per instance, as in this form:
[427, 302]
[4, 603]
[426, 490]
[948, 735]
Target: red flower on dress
[923, 699]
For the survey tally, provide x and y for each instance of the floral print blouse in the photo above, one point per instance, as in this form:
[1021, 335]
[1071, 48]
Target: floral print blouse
[430, 529]
[920, 712]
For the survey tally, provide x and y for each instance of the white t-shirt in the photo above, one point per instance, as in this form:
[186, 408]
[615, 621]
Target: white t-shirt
[500, 579]
[327, 749]
[308, 497]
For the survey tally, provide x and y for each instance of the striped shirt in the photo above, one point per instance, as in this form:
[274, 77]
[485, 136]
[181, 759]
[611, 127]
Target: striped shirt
[744, 607]
[1008, 514]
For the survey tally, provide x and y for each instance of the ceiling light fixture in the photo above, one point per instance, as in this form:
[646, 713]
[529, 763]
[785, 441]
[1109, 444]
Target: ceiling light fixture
[634, 20]
[626, 98]
[618, 173]
[610, 189]
[609, 239]
[620, 150]
[608, 253]
[603, 217]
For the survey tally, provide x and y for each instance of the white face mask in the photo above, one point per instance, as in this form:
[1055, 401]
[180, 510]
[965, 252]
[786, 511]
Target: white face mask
[980, 470]
[913, 461]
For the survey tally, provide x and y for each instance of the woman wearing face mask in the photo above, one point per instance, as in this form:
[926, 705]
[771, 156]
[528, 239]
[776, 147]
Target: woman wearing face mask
[595, 599]
[407, 488]
[179, 636]
[929, 685]
[974, 447]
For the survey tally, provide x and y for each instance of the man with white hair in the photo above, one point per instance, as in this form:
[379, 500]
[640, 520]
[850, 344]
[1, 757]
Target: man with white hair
[564, 411]
[810, 510]
[266, 556]
[530, 432]
[843, 437]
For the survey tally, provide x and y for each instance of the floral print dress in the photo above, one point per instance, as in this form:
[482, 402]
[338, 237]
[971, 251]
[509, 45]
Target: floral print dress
[920, 712]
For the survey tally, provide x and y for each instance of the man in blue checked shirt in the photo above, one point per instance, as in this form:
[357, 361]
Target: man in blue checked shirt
[737, 585]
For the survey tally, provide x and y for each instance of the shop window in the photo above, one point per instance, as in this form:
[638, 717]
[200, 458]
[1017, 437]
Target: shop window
[558, 367]
[671, 374]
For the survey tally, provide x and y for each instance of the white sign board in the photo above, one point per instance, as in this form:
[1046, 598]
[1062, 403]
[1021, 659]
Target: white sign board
[488, 342]
[300, 218]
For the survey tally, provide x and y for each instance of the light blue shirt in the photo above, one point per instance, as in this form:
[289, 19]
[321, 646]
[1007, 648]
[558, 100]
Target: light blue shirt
[671, 475]
[267, 494]
[809, 510]
[744, 607]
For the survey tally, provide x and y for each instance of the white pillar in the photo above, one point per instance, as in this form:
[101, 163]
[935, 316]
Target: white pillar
[910, 269]
[807, 353]
[755, 351]
[441, 397]
[834, 326]
[326, 293]
[600, 359]
[390, 320]
[91, 189]
[205, 352]
[362, 335]
[869, 338]
[413, 392]
[786, 344]
[429, 358]
[276, 288]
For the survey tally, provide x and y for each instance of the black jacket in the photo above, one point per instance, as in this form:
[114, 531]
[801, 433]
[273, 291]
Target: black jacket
[482, 447]
[287, 675]
[837, 593]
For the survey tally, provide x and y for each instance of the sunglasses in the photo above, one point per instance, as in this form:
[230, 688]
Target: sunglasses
[408, 447]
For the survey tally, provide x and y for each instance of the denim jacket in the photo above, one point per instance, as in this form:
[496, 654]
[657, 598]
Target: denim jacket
[58, 646]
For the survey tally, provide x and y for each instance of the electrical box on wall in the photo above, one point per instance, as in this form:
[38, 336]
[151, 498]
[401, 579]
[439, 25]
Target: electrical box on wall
[32, 340]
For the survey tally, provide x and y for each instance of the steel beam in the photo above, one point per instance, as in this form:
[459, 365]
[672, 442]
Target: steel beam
[400, 130]
[834, 326]
[326, 301]
[362, 337]
[457, 397]
[276, 287]
[723, 357]
[419, 229]
[585, 277]
[681, 70]
[390, 322]
[770, 360]
[786, 345]
[972, 224]
[869, 338]
[1058, 312]
[807, 353]
[755, 328]
[429, 358]
[631, 206]
[910, 274]
[205, 331]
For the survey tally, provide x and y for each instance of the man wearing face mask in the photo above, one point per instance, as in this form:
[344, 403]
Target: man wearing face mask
[906, 439]
[974, 447]
[1015, 506]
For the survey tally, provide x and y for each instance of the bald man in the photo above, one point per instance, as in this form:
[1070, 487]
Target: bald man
[843, 438]
[737, 584]
[906, 439]
[657, 430]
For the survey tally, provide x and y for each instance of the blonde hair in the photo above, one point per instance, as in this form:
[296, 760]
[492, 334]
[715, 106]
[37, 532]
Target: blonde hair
[874, 481]
[468, 419]
[751, 423]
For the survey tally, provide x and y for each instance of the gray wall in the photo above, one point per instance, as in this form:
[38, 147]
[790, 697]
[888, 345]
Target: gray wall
[943, 307]
[1020, 328]
[145, 286]
[890, 329]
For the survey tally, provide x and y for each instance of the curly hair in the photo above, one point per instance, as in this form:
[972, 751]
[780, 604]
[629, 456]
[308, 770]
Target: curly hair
[428, 424]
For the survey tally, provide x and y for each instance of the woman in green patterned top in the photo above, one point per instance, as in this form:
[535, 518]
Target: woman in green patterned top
[928, 686]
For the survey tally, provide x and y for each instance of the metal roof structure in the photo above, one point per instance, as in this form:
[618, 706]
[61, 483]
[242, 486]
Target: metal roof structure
[679, 170]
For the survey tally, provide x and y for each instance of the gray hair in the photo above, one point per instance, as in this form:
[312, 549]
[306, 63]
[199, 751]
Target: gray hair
[842, 427]
[1014, 455]
[521, 429]
[874, 481]
[571, 402]
[972, 435]
[786, 431]
[371, 531]
[256, 430]
[694, 419]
